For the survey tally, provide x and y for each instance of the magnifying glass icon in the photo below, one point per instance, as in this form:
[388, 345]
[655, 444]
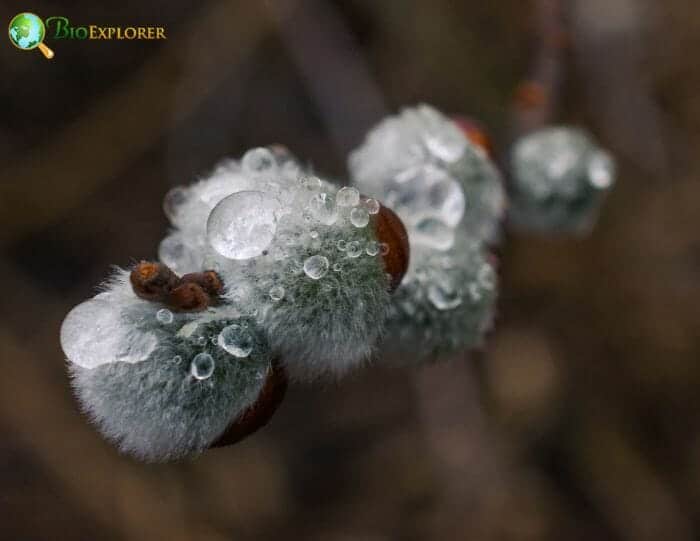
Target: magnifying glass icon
[27, 32]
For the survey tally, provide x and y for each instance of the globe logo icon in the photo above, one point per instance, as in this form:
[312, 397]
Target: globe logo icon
[27, 32]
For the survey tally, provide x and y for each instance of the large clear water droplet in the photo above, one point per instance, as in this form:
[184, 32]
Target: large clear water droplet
[322, 207]
[202, 366]
[359, 217]
[316, 266]
[372, 205]
[181, 259]
[94, 333]
[243, 224]
[311, 183]
[347, 197]
[236, 340]
[434, 233]
[173, 201]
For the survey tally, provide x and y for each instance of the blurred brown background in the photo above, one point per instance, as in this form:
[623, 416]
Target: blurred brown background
[580, 419]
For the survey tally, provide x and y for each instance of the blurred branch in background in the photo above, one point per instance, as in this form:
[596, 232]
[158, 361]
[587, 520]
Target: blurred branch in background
[538, 97]
[610, 45]
[330, 62]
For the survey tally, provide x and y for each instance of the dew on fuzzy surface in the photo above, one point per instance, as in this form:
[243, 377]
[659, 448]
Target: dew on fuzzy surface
[243, 224]
[236, 340]
[202, 366]
[316, 266]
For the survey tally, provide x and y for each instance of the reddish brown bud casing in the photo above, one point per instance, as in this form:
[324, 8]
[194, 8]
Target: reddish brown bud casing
[390, 230]
[260, 412]
[153, 281]
[530, 95]
[189, 297]
[473, 131]
[208, 280]
[193, 292]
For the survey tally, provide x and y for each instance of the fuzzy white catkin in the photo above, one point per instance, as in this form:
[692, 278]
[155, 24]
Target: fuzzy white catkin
[163, 407]
[272, 230]
[445, 304]
[559, 180]
[421, 165]
[451, 199]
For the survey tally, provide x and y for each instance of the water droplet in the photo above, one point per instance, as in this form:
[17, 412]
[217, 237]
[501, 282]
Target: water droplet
[347, 197]
[316, 266]
[311, 183]
[434, 233]
[486, 277]
[236, 340]
[474, 292]
[322, 207]
[337, 267]
[164, 316]
[354, 249]
[341, 245]
[175, 255]
[447, 147]
[95, 333]
[258, 160]
[201, 340]
[601, 170]
[313, 234]
[359, 217]
[372, 247]
[444, 295]
[243, 224]
[383, 248]
[176, 360]
[202, 366]
[277, 293]
[173, 201]
[372, 205]
[188, 329]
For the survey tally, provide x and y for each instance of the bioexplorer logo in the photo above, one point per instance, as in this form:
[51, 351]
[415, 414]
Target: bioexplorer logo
[27, 31]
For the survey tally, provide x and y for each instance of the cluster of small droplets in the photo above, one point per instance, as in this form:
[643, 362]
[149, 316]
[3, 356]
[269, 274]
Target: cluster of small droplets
[446, 190]
[425, 169]
[559, 179]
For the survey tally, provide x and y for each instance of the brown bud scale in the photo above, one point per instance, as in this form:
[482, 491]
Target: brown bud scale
[390, 230]
[260, 412]
[193, 292]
